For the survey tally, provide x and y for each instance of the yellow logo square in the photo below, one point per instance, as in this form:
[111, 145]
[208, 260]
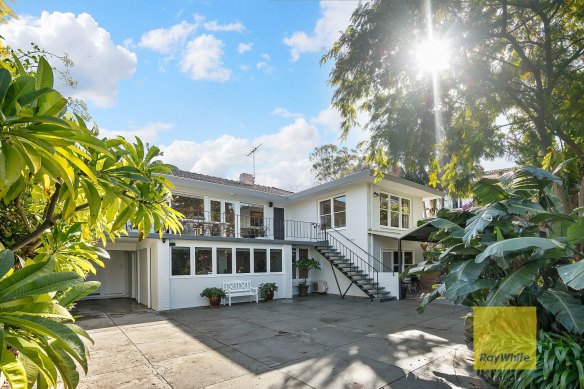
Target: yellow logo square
[505, 338]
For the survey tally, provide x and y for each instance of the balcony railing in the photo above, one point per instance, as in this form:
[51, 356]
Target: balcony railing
[230, 225]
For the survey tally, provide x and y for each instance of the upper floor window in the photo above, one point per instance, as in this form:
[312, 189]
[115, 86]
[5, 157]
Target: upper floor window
[394, 211]
[190, 207]
[333, 212]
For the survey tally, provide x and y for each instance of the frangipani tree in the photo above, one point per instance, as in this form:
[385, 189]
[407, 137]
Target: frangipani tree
[62, 189]
[520, 246]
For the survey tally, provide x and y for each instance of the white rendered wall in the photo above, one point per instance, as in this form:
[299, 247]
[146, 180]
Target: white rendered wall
[185, 290]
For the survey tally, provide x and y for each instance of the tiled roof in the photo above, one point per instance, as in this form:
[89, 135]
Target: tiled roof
[497, 172]
[233, 183]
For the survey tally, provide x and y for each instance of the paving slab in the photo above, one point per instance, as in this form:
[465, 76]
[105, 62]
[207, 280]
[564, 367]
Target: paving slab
[114, 359]
[338, 369]
[271, 380]
[107, 340]
[152, 333]
[204, 369]
[173, 347]
[138, 377]
[408, 355]
[332, 335]
[240, 334]
[298, 324]
[277, 350]
[138, 319]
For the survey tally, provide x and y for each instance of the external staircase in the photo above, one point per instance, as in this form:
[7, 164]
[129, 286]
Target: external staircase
[362, 273]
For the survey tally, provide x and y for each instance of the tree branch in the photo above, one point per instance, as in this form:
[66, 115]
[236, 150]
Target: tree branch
[47, 223]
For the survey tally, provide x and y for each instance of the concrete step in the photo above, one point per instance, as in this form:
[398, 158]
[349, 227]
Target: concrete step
[383, 299]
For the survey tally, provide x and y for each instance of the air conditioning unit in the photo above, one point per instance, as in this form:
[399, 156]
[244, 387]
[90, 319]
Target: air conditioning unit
[319, 286]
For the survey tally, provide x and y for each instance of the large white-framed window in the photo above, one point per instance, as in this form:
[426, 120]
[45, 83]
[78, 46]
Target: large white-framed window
[180, 259]
[394, 211]
[298, 253]
[391, 261]
[333, 212]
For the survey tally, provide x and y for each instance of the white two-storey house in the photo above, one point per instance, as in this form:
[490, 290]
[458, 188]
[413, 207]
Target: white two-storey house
[238, 230]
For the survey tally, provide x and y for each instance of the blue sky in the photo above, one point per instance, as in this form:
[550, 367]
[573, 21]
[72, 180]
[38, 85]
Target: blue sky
[204, 80]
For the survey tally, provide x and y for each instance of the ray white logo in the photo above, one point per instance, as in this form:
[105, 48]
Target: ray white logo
[506, 357]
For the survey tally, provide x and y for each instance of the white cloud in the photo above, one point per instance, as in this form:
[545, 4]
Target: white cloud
[244, 68]
[214, 25]
[149, 132]
[261, 65]
[202, 59]
[99, 63]
[244, 47]
[329, 119]
[336, 16]
[281, 161]
[283, 112]
[266, 56]
[165, 40]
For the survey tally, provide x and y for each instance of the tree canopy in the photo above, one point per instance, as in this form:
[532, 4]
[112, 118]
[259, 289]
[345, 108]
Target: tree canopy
[62, 189]
[512, 83]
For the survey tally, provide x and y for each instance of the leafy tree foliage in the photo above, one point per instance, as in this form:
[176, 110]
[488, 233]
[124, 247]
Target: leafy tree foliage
[329, 162]
[514, 84]
[61, 190]
[519, 247]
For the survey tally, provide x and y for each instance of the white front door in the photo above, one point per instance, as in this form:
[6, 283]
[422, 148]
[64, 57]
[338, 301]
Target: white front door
[114, 277]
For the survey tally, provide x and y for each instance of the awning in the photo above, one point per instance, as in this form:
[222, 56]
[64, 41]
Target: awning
[420, 234]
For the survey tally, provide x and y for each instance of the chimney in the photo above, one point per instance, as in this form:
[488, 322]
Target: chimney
[246, 178]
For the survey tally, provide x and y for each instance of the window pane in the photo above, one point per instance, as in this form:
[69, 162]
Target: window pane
[203, 260]
[395, 219]
[394, 204]
[242, 259]
[215, 211]
[190, 207]
[259, 261]
[326, 221]
[181, 261]
[294, 270]
[395, 262]
[303, 254]
[275, 261]
[405, 203]
[340, 203]
[224, 261]
[340, 219]
[383, 212]
[408, 258]
[387, 258]
[230, 219]
[405, 221]
[325, 207]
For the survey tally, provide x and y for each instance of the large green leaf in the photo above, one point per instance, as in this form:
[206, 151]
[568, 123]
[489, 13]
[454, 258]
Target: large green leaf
[482, 219]
[568, 310]
[44, 76]
[13, 370]
[488, 190]
[5, 79]
[25, 275]
[463, 288]
[498, 249]
[49, 283]
[77, 292]
[61, 334]
[573, 275]
[511, 286]
[35, 354]
[6, 262]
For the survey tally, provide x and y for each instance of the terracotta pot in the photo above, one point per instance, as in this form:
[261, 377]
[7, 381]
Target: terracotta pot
[215, 301]
[302, 290]
[269, 295]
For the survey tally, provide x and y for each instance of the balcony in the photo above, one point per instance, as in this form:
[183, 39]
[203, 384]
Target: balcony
[230, 225]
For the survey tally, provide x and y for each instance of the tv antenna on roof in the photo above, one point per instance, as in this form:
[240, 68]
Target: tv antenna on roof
[252, 153]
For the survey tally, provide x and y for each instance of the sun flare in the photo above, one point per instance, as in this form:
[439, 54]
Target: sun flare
[433, 55]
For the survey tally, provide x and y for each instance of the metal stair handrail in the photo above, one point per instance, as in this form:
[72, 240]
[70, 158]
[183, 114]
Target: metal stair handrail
[371, 256]
[353, 259]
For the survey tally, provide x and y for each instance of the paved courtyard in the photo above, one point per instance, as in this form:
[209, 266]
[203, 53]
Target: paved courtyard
[315, 341]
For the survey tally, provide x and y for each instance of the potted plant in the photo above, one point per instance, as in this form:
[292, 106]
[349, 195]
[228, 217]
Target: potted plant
[266, 291]
[306, 264]
[214, 295]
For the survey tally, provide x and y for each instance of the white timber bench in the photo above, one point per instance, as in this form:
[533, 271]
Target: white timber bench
[238, 289]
